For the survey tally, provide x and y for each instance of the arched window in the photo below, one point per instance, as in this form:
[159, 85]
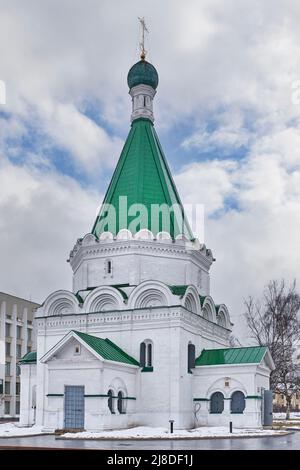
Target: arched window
[149, 355]
[237, 403]
[217, 403]
[142, 354]
[110, 402]
[120, 403]
[146, 354]
[144, 101]
[191, 357]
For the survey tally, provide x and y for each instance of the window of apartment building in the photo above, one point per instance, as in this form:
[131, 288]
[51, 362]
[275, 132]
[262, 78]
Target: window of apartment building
[19, 350]
[28, 349]
[18, 388]
[7, 349]
[18, 371]
[7, 329]
[7, 368]
[17, 407]
[29, 334]
[7, 407]
[19, 332]
[7, 388]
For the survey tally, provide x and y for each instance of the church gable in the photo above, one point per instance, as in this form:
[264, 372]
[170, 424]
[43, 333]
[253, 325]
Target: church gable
[103, 349]
[267, 362]
[73, 350]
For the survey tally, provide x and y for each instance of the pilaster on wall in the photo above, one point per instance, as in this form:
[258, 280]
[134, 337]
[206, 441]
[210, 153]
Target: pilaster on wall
[2, 352]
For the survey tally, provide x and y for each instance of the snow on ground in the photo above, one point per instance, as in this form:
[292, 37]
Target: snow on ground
[293, 415]
[12, 430]
[142, 432]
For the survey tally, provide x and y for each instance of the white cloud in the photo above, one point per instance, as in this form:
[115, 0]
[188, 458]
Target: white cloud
[225, 139]
[41, 216]
[258, 238]
[207, 183]
[88, 143]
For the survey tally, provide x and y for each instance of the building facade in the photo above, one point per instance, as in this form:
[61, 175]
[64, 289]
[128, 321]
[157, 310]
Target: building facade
[17, 338]
[279, 403]
[139, 340]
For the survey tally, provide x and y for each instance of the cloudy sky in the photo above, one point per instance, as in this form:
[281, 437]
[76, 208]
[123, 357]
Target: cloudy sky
[227, 113]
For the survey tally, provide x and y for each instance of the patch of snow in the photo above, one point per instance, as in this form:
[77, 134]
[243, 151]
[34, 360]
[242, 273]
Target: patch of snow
[293, 415]
[143, 432]
[14, 429]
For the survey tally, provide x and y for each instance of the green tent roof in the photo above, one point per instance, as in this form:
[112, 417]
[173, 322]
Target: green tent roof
[213, 357]
[107, 349]
[29, 358]
[143, 176]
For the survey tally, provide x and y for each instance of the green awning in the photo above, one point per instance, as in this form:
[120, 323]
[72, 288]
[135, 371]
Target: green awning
[249, 355]
[29, 358]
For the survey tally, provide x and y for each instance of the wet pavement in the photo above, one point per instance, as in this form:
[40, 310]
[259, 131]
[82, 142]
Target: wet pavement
[289, 442]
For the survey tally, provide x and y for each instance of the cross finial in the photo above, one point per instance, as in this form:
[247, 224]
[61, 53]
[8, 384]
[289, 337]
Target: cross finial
[142, 43]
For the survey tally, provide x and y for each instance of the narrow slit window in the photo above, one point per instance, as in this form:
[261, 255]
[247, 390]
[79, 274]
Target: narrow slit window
[109, 266]
[191, 357]
[149, 355]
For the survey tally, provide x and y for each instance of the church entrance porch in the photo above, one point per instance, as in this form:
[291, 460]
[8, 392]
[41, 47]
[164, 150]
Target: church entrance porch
[74, 407]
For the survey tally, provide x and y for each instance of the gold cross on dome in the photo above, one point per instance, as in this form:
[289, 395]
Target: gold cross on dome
[142, 43]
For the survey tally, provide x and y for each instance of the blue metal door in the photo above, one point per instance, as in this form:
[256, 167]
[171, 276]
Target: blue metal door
[268, 407]
[74, 407]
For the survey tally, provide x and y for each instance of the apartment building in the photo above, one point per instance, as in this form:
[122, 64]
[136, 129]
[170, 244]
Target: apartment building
[17, 337]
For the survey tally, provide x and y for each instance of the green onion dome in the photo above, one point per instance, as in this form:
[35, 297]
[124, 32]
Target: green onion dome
[142, 73]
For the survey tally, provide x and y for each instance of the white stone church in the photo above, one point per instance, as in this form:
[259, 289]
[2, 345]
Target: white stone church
[139, 340]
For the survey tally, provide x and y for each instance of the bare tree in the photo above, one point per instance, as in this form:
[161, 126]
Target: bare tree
[273, 322]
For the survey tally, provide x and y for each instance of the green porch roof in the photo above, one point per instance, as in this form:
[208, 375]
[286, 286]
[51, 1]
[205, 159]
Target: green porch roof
[29, 358]
[107, 349]
[213, 357]
[143, 176]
